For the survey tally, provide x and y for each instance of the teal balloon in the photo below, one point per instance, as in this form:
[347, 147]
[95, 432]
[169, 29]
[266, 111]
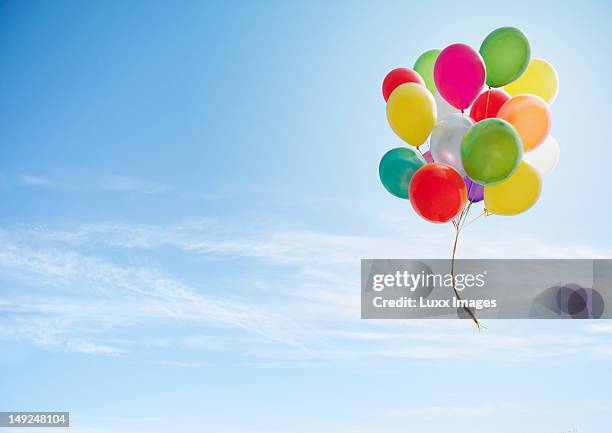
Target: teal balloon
[425, 66]
[491, 151]
[506, 54]
[396, 169]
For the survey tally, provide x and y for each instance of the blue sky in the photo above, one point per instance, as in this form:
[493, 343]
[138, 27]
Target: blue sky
[187, 189]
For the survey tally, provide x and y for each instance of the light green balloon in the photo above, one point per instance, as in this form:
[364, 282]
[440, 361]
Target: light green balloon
[396, 169]
[506, 55]
[491, 151]
[425, 66]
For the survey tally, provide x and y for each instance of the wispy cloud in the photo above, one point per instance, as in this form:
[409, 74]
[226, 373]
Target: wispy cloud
[181, 364]
[116, 183]
[438, 411]
[605, 328]
[494, 409]
[38, 181]
[68, 289]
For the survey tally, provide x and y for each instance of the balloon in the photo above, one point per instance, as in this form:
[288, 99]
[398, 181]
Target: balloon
[399, 76]
[445, 141]
[425, 66]
[488, 104]
[531, 117]
[516, 194]
[491, 151]
[411, 111]
[443, 108]
[459, 74]
[539, 79]
[475, 191]
[437, 192]
[544, 157]
[396, 169]
[428, 157]
[506, 54]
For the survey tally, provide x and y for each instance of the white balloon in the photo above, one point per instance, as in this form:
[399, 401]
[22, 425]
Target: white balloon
[544, 157]
[446, 137]
[443, 107]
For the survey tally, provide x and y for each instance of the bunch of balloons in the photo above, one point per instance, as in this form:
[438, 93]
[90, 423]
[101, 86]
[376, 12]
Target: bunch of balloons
[497, 153]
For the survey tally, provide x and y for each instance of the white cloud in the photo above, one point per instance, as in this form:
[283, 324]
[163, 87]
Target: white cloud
[605, 328]
[76, 289]
[443, 411]
[495, 409]
[38, 181]
[116, 183]
[80, 428]
[302, 306]
[181, 364]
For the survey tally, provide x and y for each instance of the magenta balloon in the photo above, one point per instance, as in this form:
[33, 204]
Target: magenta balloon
[475, 190]
[459, 74]
[428, 157]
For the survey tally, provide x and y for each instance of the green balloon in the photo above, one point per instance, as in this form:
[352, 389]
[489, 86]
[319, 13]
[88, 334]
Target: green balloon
[396, 169]
[491, 151]
[506, 54]
[425, 66]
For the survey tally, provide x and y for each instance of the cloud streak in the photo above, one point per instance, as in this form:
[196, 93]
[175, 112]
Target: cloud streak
[68, 291]
[116, 183]
[38, 181]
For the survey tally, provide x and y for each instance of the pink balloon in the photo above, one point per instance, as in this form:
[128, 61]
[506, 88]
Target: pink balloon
[459, 74]
[428, 157]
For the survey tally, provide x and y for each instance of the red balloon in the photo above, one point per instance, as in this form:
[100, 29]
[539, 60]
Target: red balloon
[437, 192]
[399, 76]
[488, 104]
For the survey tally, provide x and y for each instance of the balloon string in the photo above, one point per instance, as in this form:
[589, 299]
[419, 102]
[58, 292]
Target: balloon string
[487, 107]
[458, 227]
[484, 213]
[455, 223]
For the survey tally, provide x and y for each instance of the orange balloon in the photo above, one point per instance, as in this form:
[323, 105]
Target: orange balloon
[531, 117]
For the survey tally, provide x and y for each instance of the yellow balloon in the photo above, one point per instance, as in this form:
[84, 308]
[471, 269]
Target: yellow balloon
[411, 111]
[516, 194]
[540, 78]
